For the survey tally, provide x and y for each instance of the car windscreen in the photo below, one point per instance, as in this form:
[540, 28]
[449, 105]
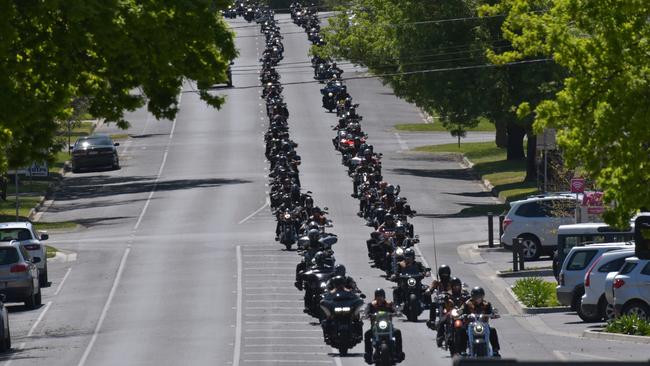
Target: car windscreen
[15, 234]
[8, 255]
[95, 141]
[580, 260]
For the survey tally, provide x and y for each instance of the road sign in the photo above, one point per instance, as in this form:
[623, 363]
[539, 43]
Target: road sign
[38, 170]
[577, 185]
[546, 140]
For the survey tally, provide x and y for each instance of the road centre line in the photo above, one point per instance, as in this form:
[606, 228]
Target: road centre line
[160, 170]
[267, 202]
[238, 325]
[65, 277]
[107, 305]
[401, 142]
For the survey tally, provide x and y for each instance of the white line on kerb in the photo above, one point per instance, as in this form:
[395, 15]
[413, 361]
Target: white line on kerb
[65, 277]
[402, 144]
[266, 204]
[237, 351]
[107, 305]
[160, 170]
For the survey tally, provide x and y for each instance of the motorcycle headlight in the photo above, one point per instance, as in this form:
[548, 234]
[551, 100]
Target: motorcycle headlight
[343, 309]
[400, 252]
[454, 313]
[323, 284]
[330, 94]
[383, 325]
[287, 216]
[478, 330]
[411, 282]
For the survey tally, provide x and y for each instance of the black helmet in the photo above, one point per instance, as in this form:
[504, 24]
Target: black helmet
[367, 152]
[309, 202]
[339, 270]
[409, 253]
[477, 292]
[400, 229]
[389, 217]
[313, 234]
[319, 258]
[455, 281]
[380, 292]
[390, 189]
[444, 272]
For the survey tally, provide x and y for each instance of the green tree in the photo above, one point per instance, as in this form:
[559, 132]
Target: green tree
[120, 55]
[602, 111]
[448, 40]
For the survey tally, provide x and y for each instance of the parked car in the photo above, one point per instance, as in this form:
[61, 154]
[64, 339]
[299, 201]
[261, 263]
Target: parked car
[536, 220]
[19, 275]
[632, 288]
[24, 233]
[571, 284]
[96, 151]
[569, 236]
[5, 333]
[594, 306]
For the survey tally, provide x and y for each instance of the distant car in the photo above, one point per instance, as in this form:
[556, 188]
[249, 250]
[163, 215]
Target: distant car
[632, 288]
[19, 275]
[24, 233]
[594, 306]
[96, 151]
[536, 220]
[571, 284]
[5, 333]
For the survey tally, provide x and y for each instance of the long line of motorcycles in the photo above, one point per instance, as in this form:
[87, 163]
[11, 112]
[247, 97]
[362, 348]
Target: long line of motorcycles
[329, 294]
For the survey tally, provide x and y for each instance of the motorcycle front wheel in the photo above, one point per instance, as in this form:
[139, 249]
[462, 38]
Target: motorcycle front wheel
[384, 358]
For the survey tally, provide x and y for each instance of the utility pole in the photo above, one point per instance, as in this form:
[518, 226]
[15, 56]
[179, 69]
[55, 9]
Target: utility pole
[17, 200]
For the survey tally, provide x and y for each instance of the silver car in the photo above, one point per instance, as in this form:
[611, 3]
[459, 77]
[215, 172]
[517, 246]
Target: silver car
[19, 275]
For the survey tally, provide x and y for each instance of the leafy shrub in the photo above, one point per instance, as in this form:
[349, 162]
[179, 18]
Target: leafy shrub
[535, 292]
[629, 324]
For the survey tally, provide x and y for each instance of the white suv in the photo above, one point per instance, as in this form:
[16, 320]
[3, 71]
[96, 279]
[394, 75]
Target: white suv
[536, 221]
[24, 233]
[632, 288]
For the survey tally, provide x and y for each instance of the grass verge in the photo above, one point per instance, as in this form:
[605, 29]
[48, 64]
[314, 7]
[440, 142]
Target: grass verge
[50, 252]
[484, 125]
[629, 324]
[490, 163]
[535, 292]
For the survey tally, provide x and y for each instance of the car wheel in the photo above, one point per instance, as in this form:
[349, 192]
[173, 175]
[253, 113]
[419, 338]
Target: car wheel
[532, 247]
[577, 299]
[30, 301]
[7, 341]
[43, 279]
[637, 308]
[606, 309]
[38, 299]
[589, 317]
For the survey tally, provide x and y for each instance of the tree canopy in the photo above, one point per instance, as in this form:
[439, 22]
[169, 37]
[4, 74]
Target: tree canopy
[119, 55]
[602, 111]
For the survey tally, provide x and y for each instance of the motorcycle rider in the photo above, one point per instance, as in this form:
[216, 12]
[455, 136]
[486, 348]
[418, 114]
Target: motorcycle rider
[335, 70]
[456, 298]
[311, 249]
[408, 266]
[379, 303]
[441, 285]
[349, 284]
[388, 225]
[477, 305]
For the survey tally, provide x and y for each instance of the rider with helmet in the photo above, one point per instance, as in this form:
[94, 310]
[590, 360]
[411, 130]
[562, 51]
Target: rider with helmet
[379, 303]
[312, 247]
[440, 285]
[408, 266]
[477, 305]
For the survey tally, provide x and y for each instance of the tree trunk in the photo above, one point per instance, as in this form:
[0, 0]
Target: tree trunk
[501, 136]
[531, 158]
[515, 147]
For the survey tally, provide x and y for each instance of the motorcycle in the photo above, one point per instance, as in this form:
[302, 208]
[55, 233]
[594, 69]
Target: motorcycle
[478, 335]
[383, 340]
[342, 311]
[411, 292]
[288, 228]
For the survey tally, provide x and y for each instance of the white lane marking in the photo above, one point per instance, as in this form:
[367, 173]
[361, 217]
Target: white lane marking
[560, 356]
[402, 144]
[107, 305]
[58, 289]
[266, 204]
[160, 170]
[32, 329]
[237, 351]
[424, 260]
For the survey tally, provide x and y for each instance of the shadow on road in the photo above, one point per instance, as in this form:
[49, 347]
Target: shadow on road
[456, 174]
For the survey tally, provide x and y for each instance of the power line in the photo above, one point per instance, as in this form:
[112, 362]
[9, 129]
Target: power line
[427, 71]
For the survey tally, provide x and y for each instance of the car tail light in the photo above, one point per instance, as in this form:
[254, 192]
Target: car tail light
[618, 283]
[16, 268]
[33, 246]
[506, 223]
[588, 274]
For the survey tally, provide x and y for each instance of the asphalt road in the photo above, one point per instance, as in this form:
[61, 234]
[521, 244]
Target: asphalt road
[176, 263]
